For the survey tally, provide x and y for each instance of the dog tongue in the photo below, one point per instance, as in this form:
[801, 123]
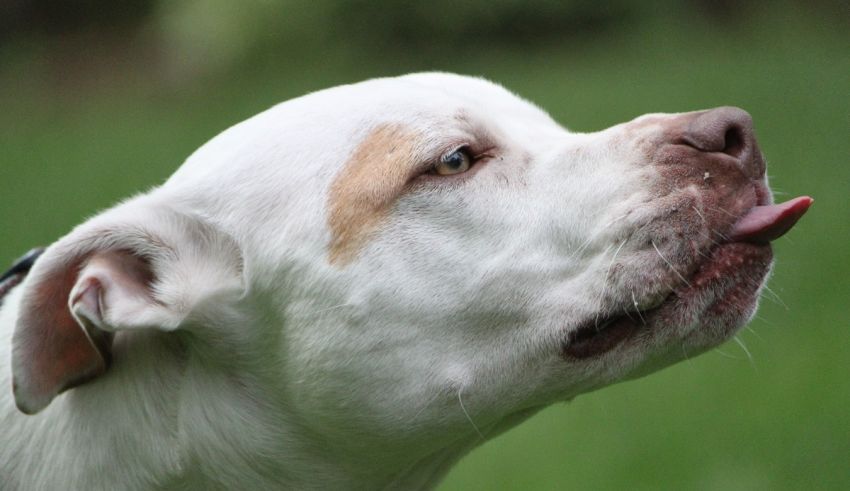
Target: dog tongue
[765, 223]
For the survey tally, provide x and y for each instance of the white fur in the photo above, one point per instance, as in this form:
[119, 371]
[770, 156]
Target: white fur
[268, 366]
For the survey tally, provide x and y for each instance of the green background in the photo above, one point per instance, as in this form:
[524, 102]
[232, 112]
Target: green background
[81, 127]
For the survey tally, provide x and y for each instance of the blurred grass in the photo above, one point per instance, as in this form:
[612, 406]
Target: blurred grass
[718, 422]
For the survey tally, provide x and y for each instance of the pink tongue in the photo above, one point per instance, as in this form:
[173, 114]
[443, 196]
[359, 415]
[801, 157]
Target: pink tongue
[765, 223]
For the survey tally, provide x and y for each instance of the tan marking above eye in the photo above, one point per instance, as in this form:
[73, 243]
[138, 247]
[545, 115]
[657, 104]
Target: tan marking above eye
[364, 191]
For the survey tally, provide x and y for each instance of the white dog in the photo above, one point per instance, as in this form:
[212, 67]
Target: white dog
[356, 287]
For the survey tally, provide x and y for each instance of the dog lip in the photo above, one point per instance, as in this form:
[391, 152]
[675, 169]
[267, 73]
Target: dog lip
[601, 336]
[760, 225]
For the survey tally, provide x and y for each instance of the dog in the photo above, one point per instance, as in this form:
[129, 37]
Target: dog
[354, 288]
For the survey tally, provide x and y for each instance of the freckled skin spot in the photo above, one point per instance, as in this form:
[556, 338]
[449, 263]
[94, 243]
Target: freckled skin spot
[370, 182]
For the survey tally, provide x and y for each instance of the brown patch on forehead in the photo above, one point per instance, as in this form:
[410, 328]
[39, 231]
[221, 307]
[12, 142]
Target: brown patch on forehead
[364, 191]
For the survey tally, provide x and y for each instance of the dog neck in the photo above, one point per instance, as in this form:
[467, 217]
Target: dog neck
[191, 422]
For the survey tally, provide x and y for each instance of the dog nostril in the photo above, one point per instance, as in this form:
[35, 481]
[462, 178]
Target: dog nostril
[726, 131]
[733, 142]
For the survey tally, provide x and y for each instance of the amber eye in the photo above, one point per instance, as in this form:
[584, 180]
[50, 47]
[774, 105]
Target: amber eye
[454, 163]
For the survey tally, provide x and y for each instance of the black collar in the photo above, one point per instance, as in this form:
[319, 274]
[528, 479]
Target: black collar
[14, 275]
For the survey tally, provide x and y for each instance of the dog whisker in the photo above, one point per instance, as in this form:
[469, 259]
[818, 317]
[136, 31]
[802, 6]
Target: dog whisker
[615, 220]
[699, 213]
[749, 328]
[724, 211]
[598, 232]
[746, 351]
[635, 303]
[703, 255]
[607, 281]
[670, 264]
[772, 295]
[468, 417]
[764, 320]
[727, 355]
[710, 239]
[584, 245]
[708, 232]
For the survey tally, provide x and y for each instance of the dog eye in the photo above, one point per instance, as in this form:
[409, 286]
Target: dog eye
[454, 163]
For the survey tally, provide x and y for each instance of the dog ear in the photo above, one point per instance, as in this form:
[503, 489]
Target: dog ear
[135, 267]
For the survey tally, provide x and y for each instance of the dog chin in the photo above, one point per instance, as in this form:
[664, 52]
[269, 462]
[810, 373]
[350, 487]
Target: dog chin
[706, 310]
[723, 294]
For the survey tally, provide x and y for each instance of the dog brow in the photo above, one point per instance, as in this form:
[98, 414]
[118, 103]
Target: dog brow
[363, 193]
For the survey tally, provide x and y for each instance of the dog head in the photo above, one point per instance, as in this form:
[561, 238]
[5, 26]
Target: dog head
[417, 261]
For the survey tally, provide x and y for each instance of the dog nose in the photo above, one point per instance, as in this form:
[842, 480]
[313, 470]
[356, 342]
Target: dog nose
[727, 130]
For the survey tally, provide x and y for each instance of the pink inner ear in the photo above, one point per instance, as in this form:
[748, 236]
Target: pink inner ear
[52, 352]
